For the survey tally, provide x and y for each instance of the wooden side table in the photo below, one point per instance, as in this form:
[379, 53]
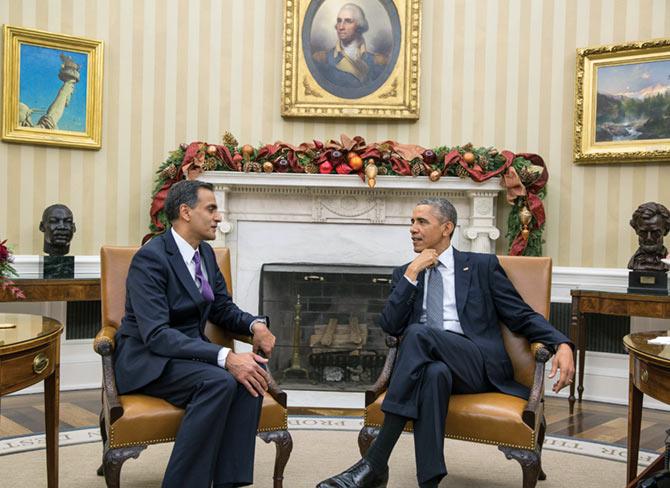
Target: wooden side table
[30, 352]
[56, 290]
[607, 303]
[649, 375]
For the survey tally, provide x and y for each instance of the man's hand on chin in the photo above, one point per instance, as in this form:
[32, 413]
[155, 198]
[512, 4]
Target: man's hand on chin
[563, 360]
[263, 339]
[245, 368]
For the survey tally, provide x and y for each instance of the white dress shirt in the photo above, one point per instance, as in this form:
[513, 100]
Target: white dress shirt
[445, 267]
[187, 252]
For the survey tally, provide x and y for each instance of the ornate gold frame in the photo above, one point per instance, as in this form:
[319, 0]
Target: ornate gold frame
[12, 131]
[396, 98]
[586, 149]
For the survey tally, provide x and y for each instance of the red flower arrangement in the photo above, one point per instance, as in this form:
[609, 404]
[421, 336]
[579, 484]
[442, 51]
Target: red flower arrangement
[7, 272]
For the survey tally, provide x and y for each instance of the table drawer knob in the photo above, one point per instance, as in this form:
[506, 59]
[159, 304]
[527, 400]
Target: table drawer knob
[40, 363]
[644, 375]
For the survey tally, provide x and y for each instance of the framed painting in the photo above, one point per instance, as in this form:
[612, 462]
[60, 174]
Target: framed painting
[355, 58]
[52, 91]
[622, 103]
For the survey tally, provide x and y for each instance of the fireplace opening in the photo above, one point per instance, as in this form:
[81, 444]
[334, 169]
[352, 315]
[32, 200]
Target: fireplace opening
[325, 319]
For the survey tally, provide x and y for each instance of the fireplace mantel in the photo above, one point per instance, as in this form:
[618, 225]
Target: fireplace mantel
[336, 219]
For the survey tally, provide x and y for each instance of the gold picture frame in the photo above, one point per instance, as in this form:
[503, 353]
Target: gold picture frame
[44, 100]
[622, 103]
[381, 77]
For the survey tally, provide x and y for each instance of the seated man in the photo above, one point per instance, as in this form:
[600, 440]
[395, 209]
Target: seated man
[174, 286]
[447, 305]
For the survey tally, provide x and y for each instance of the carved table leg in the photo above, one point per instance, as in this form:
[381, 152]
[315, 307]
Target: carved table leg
[575, 327]
[113, 459]
[529, 461]
[365, 438]
[284, 445]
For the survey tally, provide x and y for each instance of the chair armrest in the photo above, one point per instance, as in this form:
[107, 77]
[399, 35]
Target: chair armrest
[105, 341]
[276, 392]
[382, 382]
[530, 413]
[104, 345]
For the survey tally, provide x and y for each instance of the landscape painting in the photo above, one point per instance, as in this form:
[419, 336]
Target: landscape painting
[633, 102]
[622, 103]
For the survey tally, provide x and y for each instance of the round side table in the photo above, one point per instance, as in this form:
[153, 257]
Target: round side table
[30, 352]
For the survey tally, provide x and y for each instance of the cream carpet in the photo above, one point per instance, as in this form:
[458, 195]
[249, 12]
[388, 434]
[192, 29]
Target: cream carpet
[318, 454]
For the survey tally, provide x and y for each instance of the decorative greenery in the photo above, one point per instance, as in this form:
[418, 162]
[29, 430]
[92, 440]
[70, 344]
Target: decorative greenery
[7, 272]
[524, 175]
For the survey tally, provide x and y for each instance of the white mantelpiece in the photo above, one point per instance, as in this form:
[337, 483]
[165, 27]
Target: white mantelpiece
[336, 219]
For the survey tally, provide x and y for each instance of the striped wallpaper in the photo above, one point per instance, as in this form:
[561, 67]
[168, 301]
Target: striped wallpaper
[495, 73]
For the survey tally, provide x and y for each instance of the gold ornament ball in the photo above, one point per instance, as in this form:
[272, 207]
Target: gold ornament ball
[469, 158]
[434, 175]
[372, 182]
[211, 150]
[371, 171]
[268, 167]
[248, 151]
[525, 216]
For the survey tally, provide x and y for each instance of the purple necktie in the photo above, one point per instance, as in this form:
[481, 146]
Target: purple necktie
[205, 288]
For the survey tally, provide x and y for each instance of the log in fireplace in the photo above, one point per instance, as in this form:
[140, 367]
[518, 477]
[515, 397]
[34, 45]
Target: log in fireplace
[325, 320]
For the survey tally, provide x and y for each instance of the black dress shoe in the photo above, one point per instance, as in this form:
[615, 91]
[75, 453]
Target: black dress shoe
[360, 475]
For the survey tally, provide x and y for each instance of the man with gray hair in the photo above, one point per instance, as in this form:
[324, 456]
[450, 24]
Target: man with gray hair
[446, 304]
[349, 63]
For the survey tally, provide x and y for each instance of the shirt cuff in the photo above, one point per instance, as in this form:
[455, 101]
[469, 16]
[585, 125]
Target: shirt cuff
[251, 326]
[413, 282]
[221, 358]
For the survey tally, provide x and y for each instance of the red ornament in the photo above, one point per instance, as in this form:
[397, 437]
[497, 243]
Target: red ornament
[343, 169]
[325, 168]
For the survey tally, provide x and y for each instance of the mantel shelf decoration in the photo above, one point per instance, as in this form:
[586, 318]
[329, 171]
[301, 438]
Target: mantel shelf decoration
[523, 175]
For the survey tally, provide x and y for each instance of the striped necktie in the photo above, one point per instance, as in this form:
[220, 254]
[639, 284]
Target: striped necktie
[435, 299]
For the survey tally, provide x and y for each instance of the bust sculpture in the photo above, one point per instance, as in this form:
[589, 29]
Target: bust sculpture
[58, 227]
[651, 222]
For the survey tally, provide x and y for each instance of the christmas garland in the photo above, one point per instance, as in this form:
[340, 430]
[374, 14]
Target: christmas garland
[523, 175]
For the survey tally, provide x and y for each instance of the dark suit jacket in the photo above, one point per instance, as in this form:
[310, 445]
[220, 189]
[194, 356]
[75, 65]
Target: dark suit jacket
[166, 314]
[484, 297]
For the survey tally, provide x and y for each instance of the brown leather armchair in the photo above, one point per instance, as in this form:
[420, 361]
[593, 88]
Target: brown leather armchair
[129, 423]
[515, 425]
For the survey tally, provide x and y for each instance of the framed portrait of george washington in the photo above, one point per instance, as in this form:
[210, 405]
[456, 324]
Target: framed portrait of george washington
[52, 89]
[622, 103]
[356, 58]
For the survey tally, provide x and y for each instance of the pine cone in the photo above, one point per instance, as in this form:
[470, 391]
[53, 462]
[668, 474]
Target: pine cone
[485, 164]
[257, 167]
[382, 170]
[247, 167]
[462, 172]
[229, 139]
[169, 172]
[527, 176]
[210, 164]
[417, 169]
[311, 168]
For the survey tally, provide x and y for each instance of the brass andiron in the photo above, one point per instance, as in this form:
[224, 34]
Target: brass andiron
[295, 370]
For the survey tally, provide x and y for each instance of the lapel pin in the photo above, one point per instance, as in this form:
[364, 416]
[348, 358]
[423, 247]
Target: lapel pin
[466, 268]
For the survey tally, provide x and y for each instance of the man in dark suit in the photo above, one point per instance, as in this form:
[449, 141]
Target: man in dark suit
[447, 305]
[174, 286]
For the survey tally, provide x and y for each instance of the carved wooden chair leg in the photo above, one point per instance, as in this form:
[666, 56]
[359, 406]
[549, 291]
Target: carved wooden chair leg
[529, 461]
[540, 442]
[365, 438]
[103, 435]
[113, 459]
[284, 444]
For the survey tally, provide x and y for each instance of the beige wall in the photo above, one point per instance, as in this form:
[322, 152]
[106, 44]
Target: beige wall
[494, 72]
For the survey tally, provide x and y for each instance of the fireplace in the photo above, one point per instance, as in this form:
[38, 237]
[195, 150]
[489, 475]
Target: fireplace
[325, 320]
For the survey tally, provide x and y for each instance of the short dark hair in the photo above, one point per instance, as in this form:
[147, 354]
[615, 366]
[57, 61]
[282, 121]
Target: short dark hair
[51, 208]
[443, 207]
[184, 192]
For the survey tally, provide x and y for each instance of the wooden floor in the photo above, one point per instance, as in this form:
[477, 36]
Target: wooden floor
[602, 422]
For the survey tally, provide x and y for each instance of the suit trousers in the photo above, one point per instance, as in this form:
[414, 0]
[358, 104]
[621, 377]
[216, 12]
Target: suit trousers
[431, 365]
[217, 438]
